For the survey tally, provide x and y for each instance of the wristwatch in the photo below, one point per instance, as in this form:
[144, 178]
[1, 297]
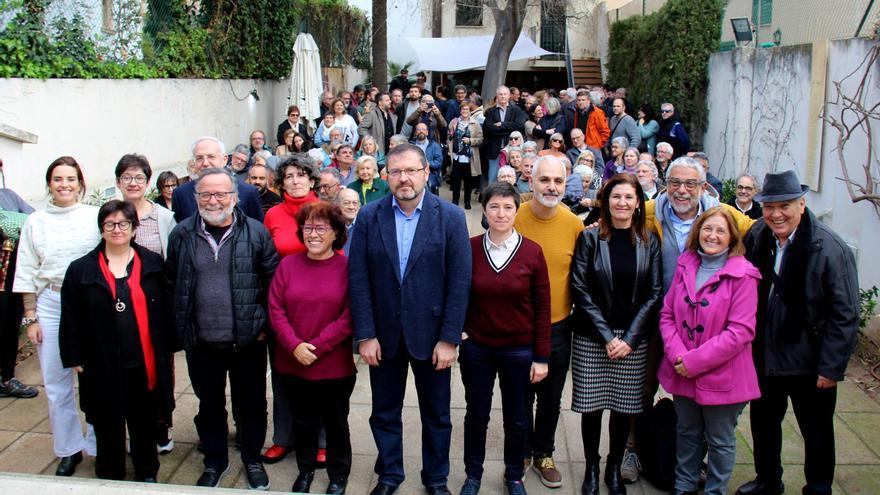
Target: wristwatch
[26, 322]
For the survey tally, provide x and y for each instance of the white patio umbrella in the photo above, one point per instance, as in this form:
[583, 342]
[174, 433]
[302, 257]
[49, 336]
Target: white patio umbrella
[306, 83]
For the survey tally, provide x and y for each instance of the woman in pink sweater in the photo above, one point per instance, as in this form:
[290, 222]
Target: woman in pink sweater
[708, 324]
[309, 311]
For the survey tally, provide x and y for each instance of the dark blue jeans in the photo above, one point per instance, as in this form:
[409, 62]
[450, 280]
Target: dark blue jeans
[548, 392]
[479, 365]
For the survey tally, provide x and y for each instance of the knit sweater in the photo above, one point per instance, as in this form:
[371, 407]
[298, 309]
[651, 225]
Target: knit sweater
[50, 240]
[281, 222]
[557, 237]
[510, 307]
[308, 302]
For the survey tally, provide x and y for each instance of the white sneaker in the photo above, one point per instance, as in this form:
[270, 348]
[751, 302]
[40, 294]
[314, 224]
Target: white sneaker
[630, 467]
[165, 443]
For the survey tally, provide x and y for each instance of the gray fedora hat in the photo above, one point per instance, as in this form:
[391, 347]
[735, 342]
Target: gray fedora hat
[784, 186]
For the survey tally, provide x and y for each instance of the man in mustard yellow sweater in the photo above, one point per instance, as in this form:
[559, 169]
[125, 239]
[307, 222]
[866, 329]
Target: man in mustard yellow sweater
[555, 228]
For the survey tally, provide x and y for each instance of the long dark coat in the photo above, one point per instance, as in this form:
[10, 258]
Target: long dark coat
[88, 336]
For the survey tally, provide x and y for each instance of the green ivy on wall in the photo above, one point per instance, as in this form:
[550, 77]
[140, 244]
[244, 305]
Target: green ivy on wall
[183, 39]
[664, 57]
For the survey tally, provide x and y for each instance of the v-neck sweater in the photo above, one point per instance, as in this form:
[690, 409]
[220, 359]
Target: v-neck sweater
[510, 306]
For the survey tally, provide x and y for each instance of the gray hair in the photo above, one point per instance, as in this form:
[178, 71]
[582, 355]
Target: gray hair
[530, 145]
[687, 162]
[752, 178]
[650, 166]
[333, 172]
[664, 144]
[264, 154]
[595, 97]
[214, 171]
[667, 104]
[548, 158]
[576, 129]
[621, 141]
[398, 139]
[507, 168]
[208, 138]
[529, 156]
[552, 105]
[364, 159]
[339, 199]
[242, 149]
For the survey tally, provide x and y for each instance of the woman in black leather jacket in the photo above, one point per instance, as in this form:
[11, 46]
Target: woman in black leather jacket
[616, 286]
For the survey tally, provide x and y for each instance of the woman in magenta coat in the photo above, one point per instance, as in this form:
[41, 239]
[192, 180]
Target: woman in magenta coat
[708, 324]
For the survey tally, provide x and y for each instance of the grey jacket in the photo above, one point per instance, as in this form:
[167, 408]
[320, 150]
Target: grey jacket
[627, 128]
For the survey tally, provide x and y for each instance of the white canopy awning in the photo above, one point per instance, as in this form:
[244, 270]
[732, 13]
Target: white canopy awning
[465, 53]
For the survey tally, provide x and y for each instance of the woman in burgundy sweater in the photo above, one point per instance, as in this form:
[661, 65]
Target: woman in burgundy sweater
[507, 333]
[309, 311]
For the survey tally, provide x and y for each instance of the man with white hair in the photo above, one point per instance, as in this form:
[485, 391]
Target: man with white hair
[556, 229]
[664, 159]
[646, 172]
[501, 120]
[209, 152]
[220, 263]
[349, 202]
[672, 131]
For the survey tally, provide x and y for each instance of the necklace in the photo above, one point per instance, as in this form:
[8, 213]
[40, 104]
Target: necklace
[120, 306]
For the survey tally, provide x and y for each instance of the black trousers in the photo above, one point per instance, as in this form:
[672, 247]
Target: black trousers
[11, 311]
[317, 403]
[814, 411]
[548, 393]
[139, 411]
[461, 175]
[246, 368]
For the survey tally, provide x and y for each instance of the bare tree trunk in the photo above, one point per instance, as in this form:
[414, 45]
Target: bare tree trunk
[436, 32]
[380, 44]
[508, 17]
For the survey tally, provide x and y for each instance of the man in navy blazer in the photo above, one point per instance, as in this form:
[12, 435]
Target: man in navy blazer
[209, 152]
[409, 279]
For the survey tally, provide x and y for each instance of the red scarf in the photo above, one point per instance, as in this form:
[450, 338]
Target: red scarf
[139, 301]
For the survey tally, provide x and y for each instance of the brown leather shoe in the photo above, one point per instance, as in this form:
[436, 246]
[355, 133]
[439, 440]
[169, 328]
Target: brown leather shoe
[546, 469]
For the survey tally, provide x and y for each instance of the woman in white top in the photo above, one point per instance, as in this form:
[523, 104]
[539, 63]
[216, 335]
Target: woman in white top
[50, 240]
[345, 122]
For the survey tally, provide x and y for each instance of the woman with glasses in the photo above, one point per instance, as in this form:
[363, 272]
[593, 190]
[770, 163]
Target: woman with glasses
[514, 142]
[616, 286]
[708, 324]
[296, 179]
[115, 335]
[293, 122]
[50, 240]
[133, 173]
[166, 184]
[310, 314]
[557, 148]
[615, 163]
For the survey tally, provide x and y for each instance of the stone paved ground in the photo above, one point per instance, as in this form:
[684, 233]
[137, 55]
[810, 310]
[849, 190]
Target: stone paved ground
[26, 443]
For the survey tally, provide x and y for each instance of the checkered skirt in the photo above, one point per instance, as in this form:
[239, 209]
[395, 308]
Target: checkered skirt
[600, 383]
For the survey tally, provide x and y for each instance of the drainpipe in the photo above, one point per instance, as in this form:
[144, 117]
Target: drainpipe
[864, 18]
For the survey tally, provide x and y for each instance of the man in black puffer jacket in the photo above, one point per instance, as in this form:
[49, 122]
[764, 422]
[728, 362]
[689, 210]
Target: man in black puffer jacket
[220, 263]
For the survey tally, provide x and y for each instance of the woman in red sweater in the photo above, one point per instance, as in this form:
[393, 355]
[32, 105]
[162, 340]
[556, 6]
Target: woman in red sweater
[309, 311]
[296, 178]
[507, 333]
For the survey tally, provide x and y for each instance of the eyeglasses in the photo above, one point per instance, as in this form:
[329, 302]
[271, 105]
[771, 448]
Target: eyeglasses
[325, 187]
[404, 171]
[515, 137]
[137, 179]
[555, 140]
[111, 226]
[745, 188]
[219, 196]
[689, 184]
[293, 115]
[204, 158]
[318, 229]
[666, 110]
[169, 186]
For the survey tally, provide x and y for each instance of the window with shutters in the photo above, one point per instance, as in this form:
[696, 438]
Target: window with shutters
[762, 12]
[468, 12]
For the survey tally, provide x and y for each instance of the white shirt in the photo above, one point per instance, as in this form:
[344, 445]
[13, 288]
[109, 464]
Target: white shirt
[501, 254]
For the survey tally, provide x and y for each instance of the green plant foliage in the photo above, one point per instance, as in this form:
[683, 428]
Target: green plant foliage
[729, 190]
[182, 39]
[867, 305]
[665, 56]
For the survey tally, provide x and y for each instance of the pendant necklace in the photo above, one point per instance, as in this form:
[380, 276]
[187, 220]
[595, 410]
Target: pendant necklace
[120, 306]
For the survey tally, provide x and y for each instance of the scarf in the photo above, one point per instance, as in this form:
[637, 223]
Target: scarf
[139, 301]
[790, 283]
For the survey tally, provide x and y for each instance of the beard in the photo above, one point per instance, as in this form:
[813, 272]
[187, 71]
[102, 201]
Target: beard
[406, 195]
[547, 200]
[683, 209]
[216, 217]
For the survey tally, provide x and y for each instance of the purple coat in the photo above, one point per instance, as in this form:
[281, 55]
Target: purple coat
[718, 359]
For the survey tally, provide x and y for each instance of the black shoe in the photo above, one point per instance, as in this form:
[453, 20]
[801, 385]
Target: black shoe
[303, 482]
[383, 489]
[467, 206]
[212, 476]
[591, 481]
[438, 490]
[758, 487]
[68, 464]
[613, 480]
[14, 388]
[257, 479]
[337, 486]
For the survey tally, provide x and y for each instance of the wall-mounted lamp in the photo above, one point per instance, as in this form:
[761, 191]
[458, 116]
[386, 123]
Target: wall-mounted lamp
[777, 37]
[254, 94]
[742, 30]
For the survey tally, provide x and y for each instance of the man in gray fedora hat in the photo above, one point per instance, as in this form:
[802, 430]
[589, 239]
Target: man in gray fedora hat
[808, 318]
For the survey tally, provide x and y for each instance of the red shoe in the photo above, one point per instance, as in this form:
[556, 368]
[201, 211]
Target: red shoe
[274, 454]
[321, 458]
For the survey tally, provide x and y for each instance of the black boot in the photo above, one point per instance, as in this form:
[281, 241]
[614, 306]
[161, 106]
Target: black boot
[613, 480]
[591, 480]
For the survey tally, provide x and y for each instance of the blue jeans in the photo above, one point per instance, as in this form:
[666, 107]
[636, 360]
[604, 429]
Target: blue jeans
[715, 424]
[479, 365]
[493, 169]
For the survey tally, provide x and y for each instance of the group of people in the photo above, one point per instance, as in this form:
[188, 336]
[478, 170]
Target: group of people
[283, 258]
